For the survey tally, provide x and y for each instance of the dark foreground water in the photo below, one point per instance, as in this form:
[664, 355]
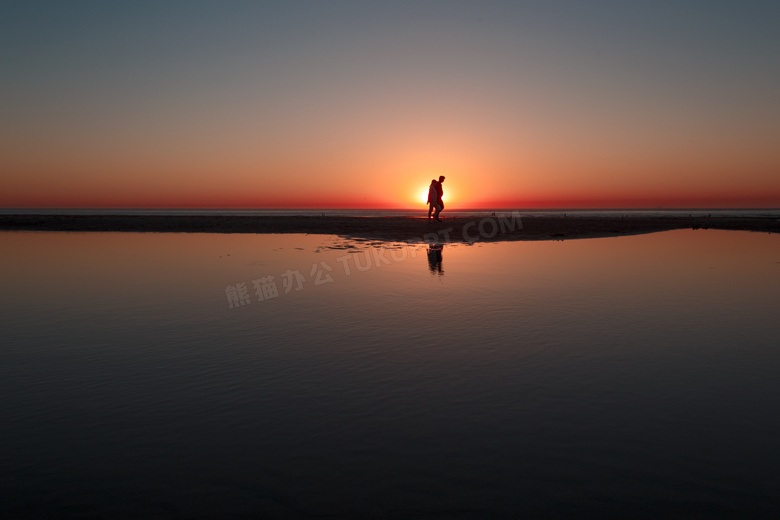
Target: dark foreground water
[292, 376]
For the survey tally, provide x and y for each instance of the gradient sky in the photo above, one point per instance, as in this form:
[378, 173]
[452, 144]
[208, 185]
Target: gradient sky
[554, 103]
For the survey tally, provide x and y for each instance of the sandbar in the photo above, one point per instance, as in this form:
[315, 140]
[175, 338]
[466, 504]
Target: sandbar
[451, 229]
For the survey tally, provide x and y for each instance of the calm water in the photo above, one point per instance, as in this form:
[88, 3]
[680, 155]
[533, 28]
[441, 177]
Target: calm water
[632, 376]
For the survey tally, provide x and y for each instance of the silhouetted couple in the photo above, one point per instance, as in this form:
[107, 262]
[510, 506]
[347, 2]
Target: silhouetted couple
[435, 192]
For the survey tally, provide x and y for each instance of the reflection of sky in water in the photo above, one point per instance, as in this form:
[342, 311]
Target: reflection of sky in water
[525, 376]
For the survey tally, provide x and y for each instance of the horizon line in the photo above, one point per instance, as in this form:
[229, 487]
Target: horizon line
[421, 209]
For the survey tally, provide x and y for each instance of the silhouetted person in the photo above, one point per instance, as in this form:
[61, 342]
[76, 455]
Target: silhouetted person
[432, 196]
[439, 201]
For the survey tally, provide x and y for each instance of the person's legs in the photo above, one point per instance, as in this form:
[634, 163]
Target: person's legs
[438, 210]
[430, 209]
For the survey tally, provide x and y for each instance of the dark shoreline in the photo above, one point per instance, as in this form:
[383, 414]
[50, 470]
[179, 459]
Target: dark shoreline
[454, 229]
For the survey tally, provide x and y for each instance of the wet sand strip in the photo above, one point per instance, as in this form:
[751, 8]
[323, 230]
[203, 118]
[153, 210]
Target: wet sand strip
[454, 229]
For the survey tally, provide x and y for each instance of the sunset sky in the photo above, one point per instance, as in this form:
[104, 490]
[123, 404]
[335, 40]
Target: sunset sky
[359, 104]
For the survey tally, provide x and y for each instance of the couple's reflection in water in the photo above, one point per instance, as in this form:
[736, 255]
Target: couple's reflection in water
[434, 259]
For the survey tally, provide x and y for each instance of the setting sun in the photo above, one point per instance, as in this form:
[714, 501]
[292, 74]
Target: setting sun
[423, 196]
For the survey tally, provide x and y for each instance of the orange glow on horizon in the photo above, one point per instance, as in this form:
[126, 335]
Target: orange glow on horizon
[384, 190]
[416, 200]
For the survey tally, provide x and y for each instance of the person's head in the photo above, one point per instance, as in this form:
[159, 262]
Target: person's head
[441, 179]
[433, 181]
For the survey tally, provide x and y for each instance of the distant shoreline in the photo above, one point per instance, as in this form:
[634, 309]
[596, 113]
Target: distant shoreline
[453, 229]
